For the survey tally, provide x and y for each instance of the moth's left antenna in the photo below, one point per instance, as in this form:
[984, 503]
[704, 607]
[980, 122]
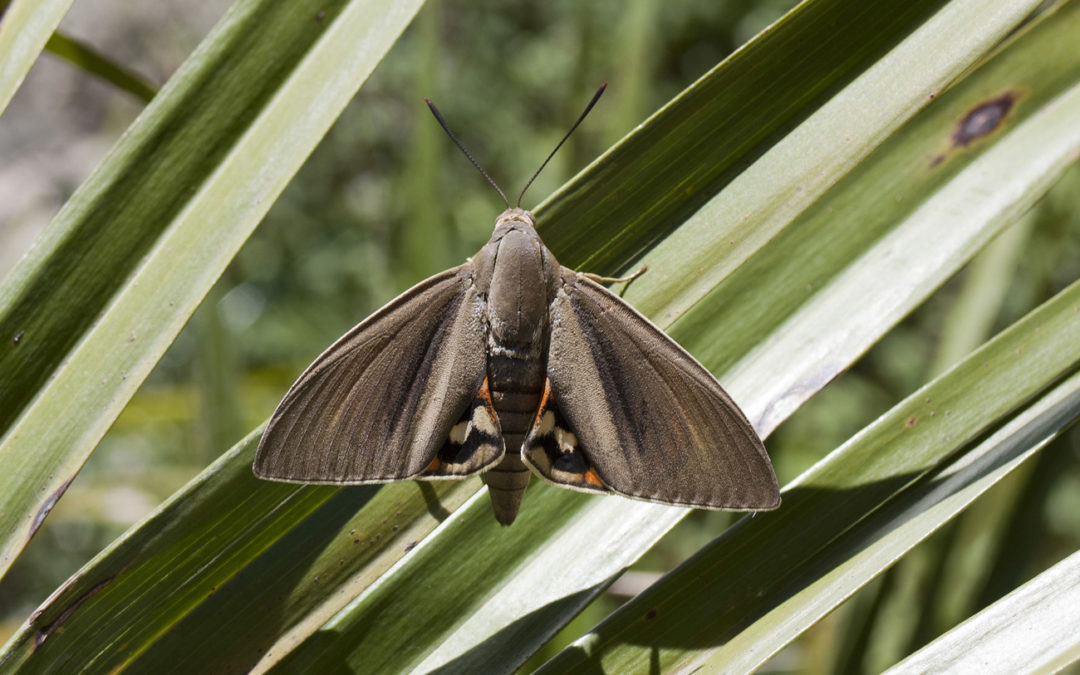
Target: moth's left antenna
[446, 128]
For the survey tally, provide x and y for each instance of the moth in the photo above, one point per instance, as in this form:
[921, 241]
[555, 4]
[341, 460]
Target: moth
[511, 365]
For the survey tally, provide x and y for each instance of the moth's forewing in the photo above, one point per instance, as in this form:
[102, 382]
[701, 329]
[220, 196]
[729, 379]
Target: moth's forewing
[380, 403]
[651, 421]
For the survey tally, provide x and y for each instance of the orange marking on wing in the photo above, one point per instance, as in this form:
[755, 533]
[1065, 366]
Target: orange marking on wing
[434, 466]
[592, 478]
[544, 400]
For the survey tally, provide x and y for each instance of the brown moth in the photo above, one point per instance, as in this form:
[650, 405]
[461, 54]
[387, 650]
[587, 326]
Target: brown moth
[511, 365]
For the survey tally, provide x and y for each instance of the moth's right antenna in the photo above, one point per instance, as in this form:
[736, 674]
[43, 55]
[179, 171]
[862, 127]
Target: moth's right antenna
[595, 98]
[446, 128]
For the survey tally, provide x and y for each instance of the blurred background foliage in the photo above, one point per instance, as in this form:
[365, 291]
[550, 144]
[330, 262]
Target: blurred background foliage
[386, 201]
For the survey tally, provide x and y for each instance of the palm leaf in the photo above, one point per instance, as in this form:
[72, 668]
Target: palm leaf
[89, 311]
[747, 594]
[1032, 628]
[25, 27]
[756, 198]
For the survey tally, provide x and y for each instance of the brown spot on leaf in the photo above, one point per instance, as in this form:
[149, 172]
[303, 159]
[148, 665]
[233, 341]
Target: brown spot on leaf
[650, 615]
[982, 120]
[43, 511]
[45, 631]
[911, 422]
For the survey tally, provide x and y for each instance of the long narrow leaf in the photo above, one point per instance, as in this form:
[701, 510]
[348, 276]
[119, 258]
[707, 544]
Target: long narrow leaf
[89, 605]
[1032, 629]
[751, 591]
[25, 27]
[987, 180]
[90, 310]
[839, 134]
[1032, 69]
[160, 576]
[525, 597]
[92, 61]
[705, 137]
[91, 609]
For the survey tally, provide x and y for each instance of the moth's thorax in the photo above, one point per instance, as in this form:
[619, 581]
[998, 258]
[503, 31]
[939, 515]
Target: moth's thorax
[521, 272]
[517, 307]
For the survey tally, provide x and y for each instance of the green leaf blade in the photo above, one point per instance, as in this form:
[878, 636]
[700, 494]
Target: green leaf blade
[89, 59]
[894, 186]
[780, 75]
[1031, 629]
[25, 27]
[565, 549]
[751, 591]
[765, 198]
[127, 260]
[171, 577]
[592, 549]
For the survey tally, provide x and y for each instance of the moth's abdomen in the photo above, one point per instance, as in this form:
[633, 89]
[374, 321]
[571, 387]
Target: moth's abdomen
[516, 388]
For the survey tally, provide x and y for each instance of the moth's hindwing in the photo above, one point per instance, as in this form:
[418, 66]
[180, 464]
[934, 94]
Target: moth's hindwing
[551, 450]
[473, 444]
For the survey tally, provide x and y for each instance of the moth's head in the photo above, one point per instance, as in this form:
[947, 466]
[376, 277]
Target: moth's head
[515, 215]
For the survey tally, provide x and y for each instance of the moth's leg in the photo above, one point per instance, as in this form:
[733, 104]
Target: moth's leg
[615, 280]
